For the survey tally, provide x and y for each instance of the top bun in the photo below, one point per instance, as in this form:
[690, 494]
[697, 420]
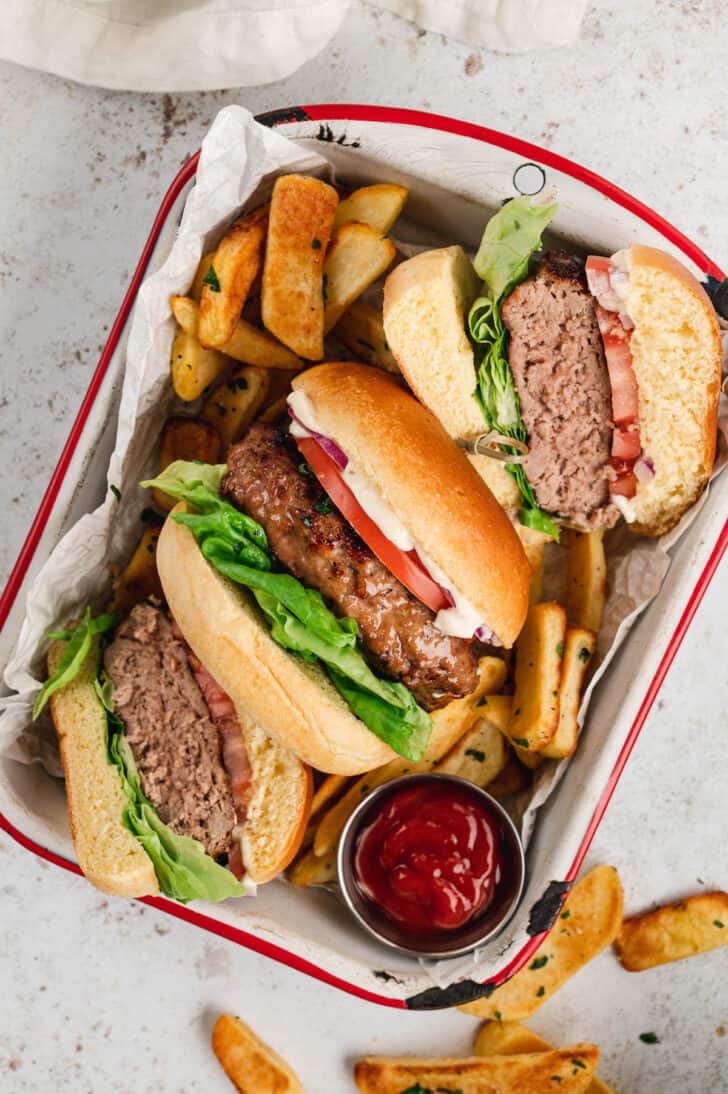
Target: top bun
[677, 360]
[428, 483]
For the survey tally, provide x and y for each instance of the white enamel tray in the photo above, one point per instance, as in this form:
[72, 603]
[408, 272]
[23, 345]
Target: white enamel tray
[453, 170]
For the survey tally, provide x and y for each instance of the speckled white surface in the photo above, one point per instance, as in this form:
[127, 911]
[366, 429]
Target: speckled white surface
[98, 995]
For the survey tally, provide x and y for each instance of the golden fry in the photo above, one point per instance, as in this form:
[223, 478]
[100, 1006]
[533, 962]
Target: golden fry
[378, 206]
[589, 921]
[479, 756]
[539, 653]
[361, 329]
[683, 929]
[512, 780]
[234, 268]
[140, 578]
[512, 1039]
[358, 255]
[246, 344]
[313, 869]
[301, 219]
[450, 722]
[185, 439]
[578, 651]
[251, 1065]
[586, 575]
[233, 405]
[193, 367]
[330, 788]
[531, 1073]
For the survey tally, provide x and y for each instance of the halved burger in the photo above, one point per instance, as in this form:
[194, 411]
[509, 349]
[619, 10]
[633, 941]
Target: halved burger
[170, 788]
[596, 382]
[339, 577]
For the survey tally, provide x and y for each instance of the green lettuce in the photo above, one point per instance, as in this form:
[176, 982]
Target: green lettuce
[509, 240]
[298, 617]
[184, 869]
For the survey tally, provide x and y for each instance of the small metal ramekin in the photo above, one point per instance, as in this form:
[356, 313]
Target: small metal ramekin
[438, 944]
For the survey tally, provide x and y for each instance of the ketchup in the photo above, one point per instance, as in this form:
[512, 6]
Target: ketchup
[431, 859]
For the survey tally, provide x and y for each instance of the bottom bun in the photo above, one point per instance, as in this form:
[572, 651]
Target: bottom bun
[110, 856]
[279, 805]
[291, 700]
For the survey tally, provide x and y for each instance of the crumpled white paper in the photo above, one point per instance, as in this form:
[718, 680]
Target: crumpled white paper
[238, 162]
[204, 45]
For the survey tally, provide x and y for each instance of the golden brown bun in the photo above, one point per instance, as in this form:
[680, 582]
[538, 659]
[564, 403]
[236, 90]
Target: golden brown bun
[426, 301]
[428, 483]
[110, 856]
[677, 358]
[291, 700]
[279, 806]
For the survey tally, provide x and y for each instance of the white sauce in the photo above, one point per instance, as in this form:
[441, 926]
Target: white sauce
[625, 507]
[461, 620]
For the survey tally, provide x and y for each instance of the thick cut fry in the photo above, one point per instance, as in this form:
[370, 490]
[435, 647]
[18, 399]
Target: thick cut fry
[683, 929]
[534, 544]
[234, 268]
[246, 344]
[301, 219]
[479, 756]
[378, 206]
[568, 1070]
[185, 439]
[586, 576]
[578, 651]
[512, 780]
[330, 788]
[249, 1063]
[357, 257]
[140, 578]
[450, 722]
[275, 411]
[202, 271]
[313, 869]
[539, 652]
[498, 709]
[589, 921]
[193, 367]
[512, 1039]
[361, 329]
[232, 406]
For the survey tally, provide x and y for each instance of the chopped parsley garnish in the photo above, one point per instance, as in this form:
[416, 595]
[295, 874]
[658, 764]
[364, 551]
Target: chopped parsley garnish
[579, 1063]
[316, 244]
[565, 915]
[498, 1016]
[115, 491]
[717, 923]
[649, 1038]
[238, 383]
[560, 649]
[521, 741]
[584, 654]
[476, 754]
[556, 1079]
[700, 881]
[541, 992]
[307, 521]
[211, 279]
[483, 702]
[538, 962]
[323, 507]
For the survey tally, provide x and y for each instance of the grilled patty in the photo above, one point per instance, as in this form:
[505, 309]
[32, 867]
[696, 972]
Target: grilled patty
[172, 736]
[557, 360]
[315, 543]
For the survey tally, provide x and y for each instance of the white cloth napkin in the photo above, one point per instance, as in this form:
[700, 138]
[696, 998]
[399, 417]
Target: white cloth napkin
[201, 45]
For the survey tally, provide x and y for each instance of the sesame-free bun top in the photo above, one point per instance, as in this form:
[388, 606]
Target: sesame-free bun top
[429, 485]
[677, 359]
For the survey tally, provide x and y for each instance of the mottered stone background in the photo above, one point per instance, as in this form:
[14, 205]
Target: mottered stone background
[99, 995]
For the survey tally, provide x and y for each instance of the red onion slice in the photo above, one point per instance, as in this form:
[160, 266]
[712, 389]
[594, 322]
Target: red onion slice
[330, 447]
[644, 469]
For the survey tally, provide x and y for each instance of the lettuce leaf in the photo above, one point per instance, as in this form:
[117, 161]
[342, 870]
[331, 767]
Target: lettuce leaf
[184, 869]
[299, 620]
[79, 641]
[509, 240]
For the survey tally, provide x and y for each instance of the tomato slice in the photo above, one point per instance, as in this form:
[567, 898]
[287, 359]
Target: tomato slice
[405, 565]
